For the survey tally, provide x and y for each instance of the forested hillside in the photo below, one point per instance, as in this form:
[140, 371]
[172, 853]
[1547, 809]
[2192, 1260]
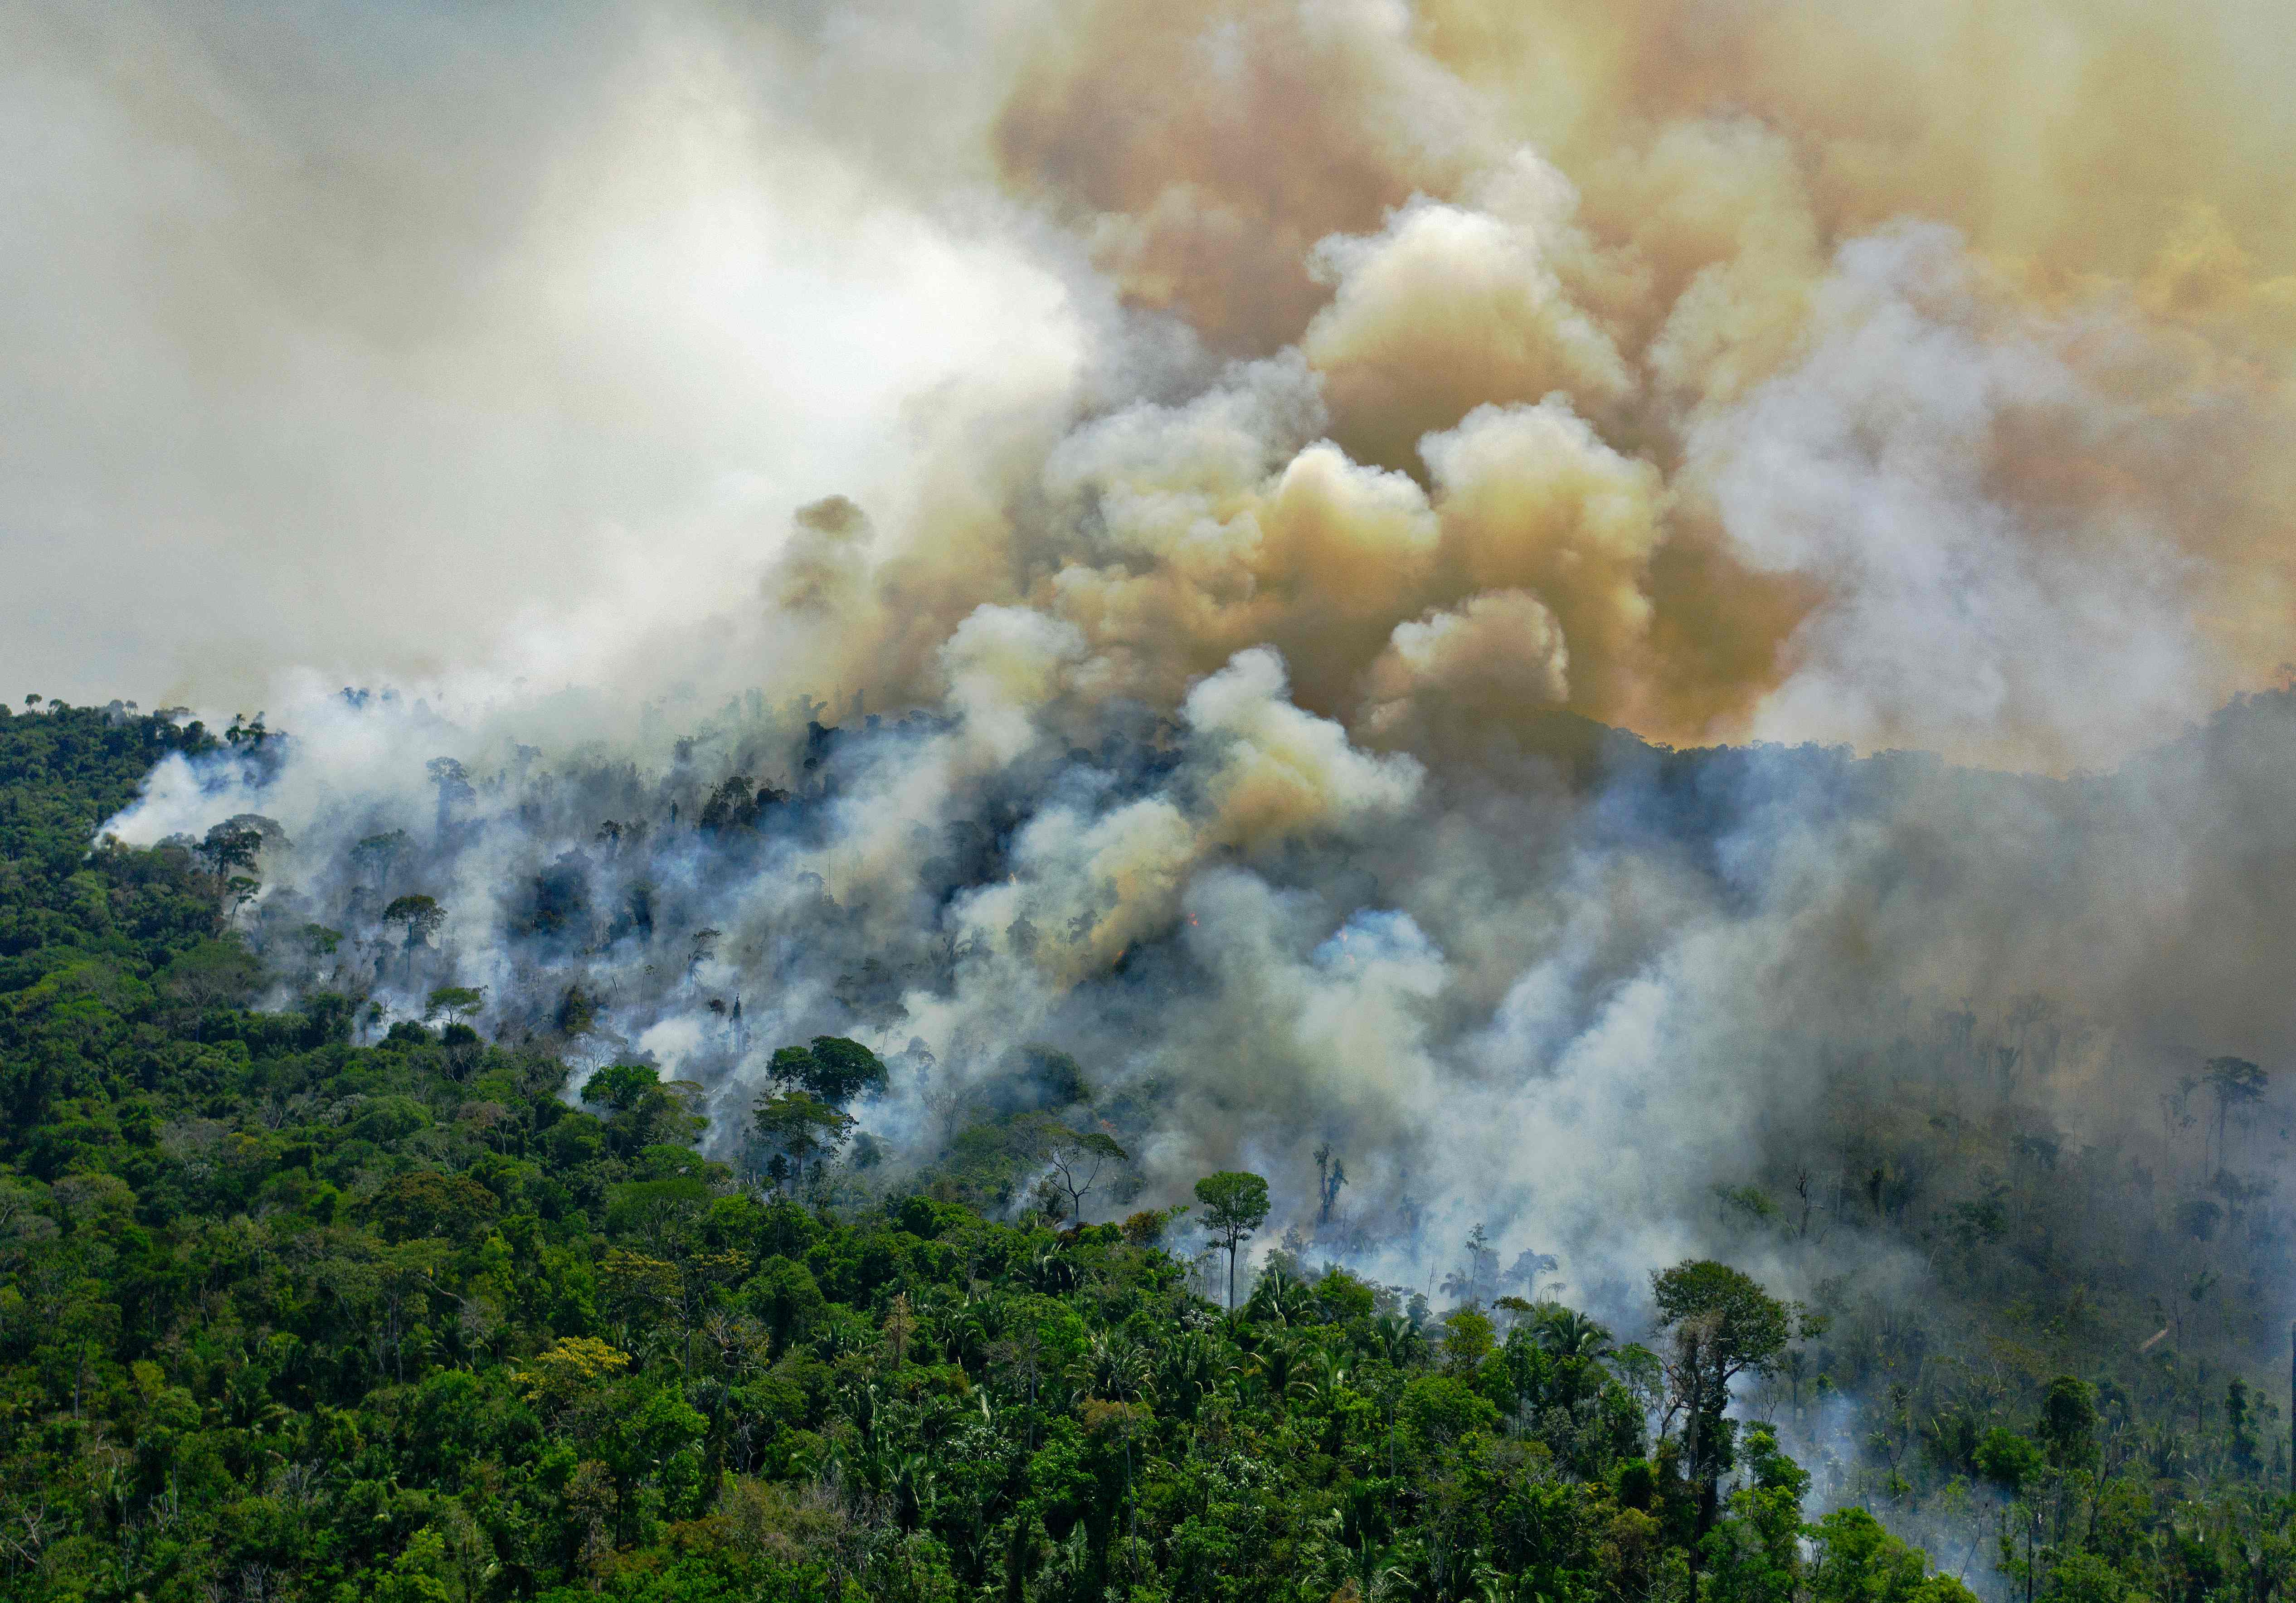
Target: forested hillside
[289, 1317]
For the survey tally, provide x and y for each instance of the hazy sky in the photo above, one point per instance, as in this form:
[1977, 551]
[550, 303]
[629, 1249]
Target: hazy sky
[365, 338]
[1918, 375]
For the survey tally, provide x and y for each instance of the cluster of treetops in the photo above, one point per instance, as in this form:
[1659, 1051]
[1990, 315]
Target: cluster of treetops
[284, 1317]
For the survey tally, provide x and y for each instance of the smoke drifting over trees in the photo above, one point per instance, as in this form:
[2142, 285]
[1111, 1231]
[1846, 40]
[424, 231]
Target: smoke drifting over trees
[1576, 994]
[1310, 437]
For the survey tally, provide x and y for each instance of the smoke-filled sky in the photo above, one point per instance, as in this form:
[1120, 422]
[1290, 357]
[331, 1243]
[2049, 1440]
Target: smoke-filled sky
[1909, 375]
[1239, 426]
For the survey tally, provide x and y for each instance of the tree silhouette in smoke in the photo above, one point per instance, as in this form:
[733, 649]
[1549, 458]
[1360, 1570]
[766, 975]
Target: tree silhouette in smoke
[422, 918]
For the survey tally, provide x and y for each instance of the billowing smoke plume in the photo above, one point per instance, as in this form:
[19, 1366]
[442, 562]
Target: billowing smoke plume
[1309, 422]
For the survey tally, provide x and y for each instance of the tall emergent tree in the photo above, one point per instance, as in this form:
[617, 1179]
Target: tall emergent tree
[422, 917]
[1724, 1325]
[1235, 1205]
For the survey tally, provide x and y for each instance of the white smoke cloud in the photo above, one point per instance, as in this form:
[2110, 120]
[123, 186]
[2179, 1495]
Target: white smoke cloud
[1954, 617]
[407, 347]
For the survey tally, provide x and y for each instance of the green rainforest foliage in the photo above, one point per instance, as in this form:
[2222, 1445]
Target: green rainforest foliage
[285, 1317]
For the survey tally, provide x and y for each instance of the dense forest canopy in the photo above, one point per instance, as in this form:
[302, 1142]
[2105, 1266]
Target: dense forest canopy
[307, 1298]
[1342, 800]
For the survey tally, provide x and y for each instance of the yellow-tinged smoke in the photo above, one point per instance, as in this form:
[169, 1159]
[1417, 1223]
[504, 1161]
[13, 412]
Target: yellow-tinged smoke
[1895, 374]
[1898, 375]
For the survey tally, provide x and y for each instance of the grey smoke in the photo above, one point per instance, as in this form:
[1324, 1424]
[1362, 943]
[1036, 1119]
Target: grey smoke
[521, 364]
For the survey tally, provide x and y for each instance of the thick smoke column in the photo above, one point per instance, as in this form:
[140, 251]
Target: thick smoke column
[1424, 383]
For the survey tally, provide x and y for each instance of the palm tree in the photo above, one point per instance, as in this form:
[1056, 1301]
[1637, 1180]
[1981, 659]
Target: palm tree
[1567, 1333]
[1283, 1298]
[1192, 1365]
[1116, 1368]
[1326, 1375]
[1396, 1338]
[965, 1328]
